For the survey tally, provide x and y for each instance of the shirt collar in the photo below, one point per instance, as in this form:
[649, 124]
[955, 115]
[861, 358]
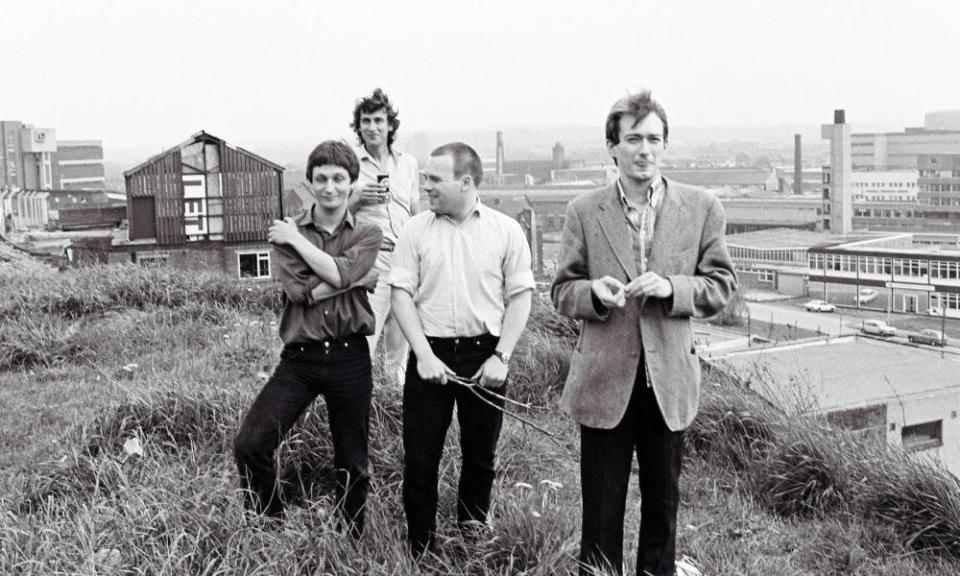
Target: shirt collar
[654, 192]
[479, 209]
[364, 154]
[307, 218]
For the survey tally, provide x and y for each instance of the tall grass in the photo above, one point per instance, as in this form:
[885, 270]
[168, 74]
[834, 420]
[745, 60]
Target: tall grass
[185, 354]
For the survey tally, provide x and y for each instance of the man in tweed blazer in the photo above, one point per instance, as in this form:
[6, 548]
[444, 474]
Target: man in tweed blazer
[639, 259]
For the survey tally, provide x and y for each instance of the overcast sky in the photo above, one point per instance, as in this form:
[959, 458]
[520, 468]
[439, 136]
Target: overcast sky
[150, 74]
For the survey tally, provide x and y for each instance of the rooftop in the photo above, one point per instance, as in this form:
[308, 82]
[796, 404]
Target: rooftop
[847, 372]
[788, 238]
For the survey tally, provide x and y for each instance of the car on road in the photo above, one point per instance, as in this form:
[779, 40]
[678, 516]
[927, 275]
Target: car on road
[819, 306]
[928, 336]
[878, 328]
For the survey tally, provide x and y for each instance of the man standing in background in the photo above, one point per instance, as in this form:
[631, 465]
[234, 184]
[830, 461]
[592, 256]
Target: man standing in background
[388, 195]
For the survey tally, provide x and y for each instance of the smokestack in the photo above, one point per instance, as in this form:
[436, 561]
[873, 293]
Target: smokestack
[558, 156]
[797, 165]
[500, 155]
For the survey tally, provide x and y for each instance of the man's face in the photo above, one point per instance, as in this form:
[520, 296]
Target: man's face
[374, 128]
[442, 188]
[331, 186]
[639, 152]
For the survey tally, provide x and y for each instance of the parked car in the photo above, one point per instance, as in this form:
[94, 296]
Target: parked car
[928, 336]
[878, 327]
[866, 295]
[819, 306]
[934, 311]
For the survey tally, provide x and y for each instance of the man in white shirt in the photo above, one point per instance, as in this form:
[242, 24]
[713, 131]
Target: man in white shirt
[462, 287]
[388, 196]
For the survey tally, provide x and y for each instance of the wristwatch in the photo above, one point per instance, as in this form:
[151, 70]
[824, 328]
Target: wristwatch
[504, 357]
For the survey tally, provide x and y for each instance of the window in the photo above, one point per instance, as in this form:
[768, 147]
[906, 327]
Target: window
[152, 259]
[766, 276]
[922, 436]
[253, 265]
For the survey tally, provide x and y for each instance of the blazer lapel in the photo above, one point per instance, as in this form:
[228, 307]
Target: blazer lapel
[671, 219]
[613, 223]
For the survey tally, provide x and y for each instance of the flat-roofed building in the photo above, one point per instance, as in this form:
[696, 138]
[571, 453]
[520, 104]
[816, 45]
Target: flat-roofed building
[78, 165]
[752, 179]
[894, 394]
[912, 272]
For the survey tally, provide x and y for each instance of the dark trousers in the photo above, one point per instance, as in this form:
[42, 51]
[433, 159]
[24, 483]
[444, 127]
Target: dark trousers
[427, 412]
[338, 369]
[605, 460]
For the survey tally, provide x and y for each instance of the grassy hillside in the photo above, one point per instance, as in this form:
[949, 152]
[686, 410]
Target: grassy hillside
[91, 359]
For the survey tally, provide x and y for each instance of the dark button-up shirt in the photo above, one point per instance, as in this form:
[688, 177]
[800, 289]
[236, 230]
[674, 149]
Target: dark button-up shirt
[353, 246]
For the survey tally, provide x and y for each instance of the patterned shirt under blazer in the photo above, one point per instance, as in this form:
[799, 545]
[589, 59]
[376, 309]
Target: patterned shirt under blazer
[689, 251]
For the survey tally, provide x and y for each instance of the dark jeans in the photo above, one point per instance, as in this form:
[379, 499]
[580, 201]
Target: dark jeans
[605, 460]
[427, 412]
[338, 369]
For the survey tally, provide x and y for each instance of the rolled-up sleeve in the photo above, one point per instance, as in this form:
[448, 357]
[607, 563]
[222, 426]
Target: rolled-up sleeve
[296, 278]
[517, 271]
[405, 267]
[359, 256]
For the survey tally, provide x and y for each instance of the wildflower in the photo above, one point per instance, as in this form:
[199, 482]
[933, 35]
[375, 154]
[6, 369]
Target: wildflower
[523, 485]
[133, 447]
[129, 367]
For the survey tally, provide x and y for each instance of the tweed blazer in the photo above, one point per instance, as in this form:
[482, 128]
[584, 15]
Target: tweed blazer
[688, 250]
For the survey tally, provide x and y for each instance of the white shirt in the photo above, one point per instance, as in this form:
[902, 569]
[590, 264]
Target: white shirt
[461, 275]
[404, 191]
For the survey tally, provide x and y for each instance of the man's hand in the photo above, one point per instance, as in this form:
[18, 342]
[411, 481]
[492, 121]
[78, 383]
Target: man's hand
[374, 193]
[432, 369]
[492, 374]
[649, 284]
[283, 231]
[369, 280]
[609, 291]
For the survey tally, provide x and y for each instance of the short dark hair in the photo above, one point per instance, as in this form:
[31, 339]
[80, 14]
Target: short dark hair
[465, 160]
[333, 152]
[638, 105]
[374, 103]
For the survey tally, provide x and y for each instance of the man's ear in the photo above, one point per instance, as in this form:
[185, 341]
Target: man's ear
[465, 181]
[610, 146]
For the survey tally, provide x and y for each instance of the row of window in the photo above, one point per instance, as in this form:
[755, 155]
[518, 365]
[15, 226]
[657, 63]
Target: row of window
[785, 256]
[945, 300]
[886, 266]
[937, 173]
[940, 201]
[898, 198]
[940, 188]
[884, 184]
[882, 213]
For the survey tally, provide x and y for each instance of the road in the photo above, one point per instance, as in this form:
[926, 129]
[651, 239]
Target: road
[829, 323]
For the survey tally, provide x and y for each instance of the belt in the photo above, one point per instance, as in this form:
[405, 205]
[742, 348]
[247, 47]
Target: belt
[351, 341]
[481, 340]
